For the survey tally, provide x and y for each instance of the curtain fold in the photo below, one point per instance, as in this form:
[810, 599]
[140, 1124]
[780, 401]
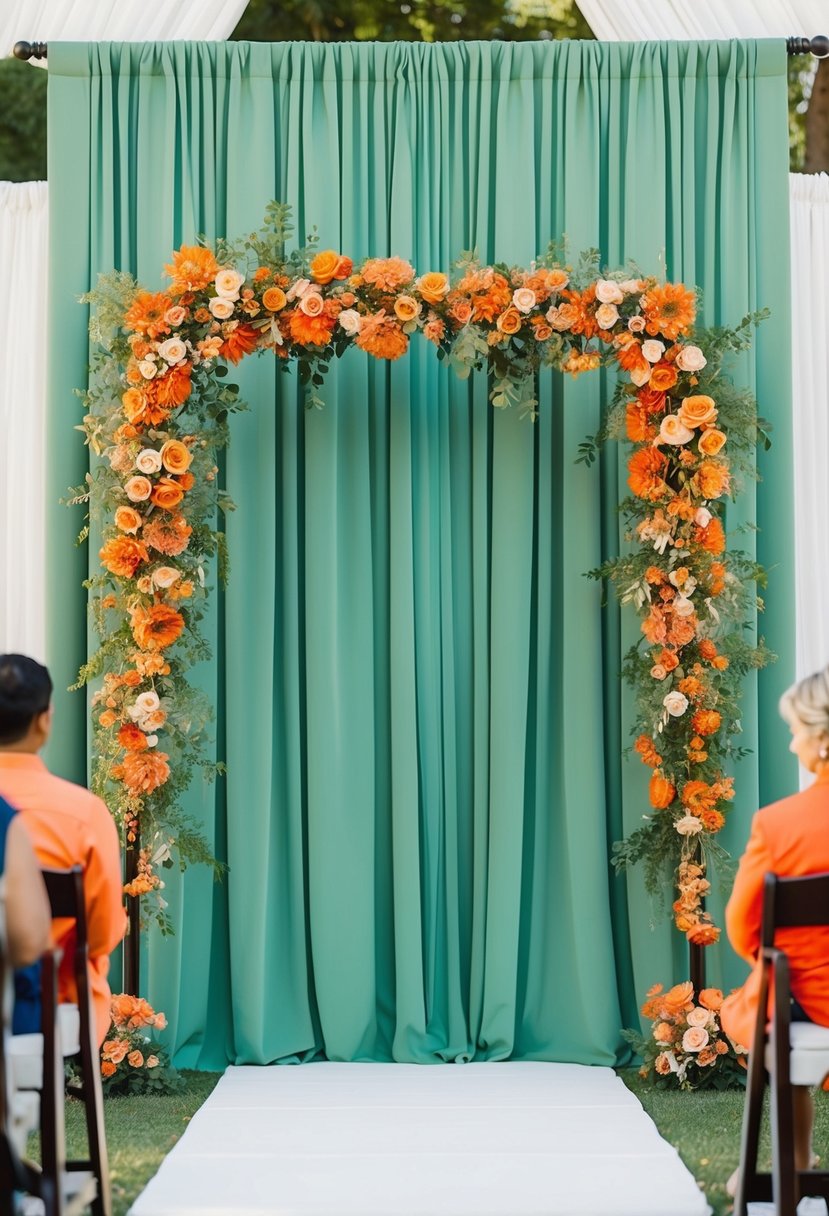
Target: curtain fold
[640, 20]
[416, 688]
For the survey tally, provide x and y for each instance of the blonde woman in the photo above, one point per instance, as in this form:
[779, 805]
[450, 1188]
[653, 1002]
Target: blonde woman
[789, 838]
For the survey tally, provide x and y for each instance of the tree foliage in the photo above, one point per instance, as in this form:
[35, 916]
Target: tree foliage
[22, 121]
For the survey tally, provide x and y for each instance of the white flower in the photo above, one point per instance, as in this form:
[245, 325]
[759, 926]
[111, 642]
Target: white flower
[694, 1039]
[653, 350]
[165, 576]
[607, 315]
[145, 703]
[636, 324]
[688, 825]
[630, 286]
[703, 517]
[676, 703]
[524, 299]
[697, 1016]
[682, 606]
[228, 283]
[172, 351]
[640, 376]
[671, 430]
[152, 740]
[351, 321]
[608, 292]
[147, 368]
[691, 359]
[148, 461]
[298, 288]
[221, 308]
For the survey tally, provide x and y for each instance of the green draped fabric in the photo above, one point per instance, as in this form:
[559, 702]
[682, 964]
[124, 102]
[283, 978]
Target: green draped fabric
[416, 689]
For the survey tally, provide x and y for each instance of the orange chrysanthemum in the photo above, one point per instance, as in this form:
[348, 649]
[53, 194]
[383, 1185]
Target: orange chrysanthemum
[698, 796]
[382, 337]
[310, 331]
[387, 274]
[650, 756]
[122, 555]
[132, 738]
[637, 423]
[669, 309]
[712, 479]
[646, 469]
[241, 341]
[192, 269]
[143, 772]
[156, 627]
[711, 537]
[171, 389]
[706, 722]
[169, 536]
[146, 314]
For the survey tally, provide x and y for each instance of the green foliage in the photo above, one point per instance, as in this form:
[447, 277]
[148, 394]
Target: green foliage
[22, 121]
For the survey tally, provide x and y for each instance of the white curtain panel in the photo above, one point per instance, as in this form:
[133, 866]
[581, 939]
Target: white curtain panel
[116, 20]
[698, 20]
[23, 256]
[809, 203]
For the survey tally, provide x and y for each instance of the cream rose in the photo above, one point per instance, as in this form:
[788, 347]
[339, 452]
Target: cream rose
[147, 369]
[630, 286]
[653, 350]
[221, 308]
[607, 315]
[165, 576]
[694, 1039]
[524, 299]
[608, 292]
[672, 430]
[148, 461]
[145, 703]
[145, 584]
[697, 1016]
[351, 321]
[636, 324]
[702, 517]
[175, 315]
[691, 359]
[311, 303]
[298, 289]
[138, 489]
[676, 703]
[641, 375]
[688, 825]
[227, 283]
[682, 606]
[172, 351]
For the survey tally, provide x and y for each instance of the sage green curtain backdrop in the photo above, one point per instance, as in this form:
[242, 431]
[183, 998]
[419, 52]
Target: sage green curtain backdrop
[416, 689]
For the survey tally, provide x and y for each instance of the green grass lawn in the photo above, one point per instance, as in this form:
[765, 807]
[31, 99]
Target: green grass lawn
[703, 1127]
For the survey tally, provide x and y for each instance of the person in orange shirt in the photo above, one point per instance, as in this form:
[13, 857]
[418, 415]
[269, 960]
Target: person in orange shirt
[789, 838]
[66, 823]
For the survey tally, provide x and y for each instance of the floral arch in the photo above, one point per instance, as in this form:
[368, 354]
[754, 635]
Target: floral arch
[156, 416]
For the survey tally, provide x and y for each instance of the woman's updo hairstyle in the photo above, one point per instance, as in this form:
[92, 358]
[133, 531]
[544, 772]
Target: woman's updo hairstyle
[808, 702]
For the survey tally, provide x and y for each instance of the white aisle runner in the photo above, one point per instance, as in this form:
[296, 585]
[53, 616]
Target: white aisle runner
[411, 1140]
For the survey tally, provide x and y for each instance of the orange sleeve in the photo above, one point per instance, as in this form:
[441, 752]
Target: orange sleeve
[103, 884]
[744, 911]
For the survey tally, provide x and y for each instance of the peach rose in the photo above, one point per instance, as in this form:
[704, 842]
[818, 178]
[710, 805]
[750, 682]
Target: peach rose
[138, 489]
[461, 311]
[711, 441]
[228, 282]
[658, 671]
[148, 461]
[135, 1059]
[694, 1039]
[542, 332]
[672, 430]
[145, 703]
[607, 315]
[707, 1056]
[167, 494]
[152, 1061]
[608, 292]
[154, 720]
[127, 519]
[176, 456]
[406, 308]
[524, 299]
[688, 825]
[697, 1016]
[147, 368]
[432, 286]
[711, 998]
[311, 303]
[324, 266]
[636, 324]
[175, 315]
[664, 1032]
[509, 322]
[107, 719]
[698, 410]
[274, 299]
[676, 703]
[173, 350]
[662, 1064]
[221, 308]
[165, 576]
[691, 359]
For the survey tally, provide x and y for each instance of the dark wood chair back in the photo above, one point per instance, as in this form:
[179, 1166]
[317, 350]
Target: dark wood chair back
[791, 903]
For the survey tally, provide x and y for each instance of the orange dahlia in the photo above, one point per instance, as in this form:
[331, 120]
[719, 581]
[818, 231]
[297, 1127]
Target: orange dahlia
[146, 314]
[239, 342]
[382, 337]
[310, 331]
[170, 536]
[712, 479]
[156, 627]
[706, 721]
[646, 469]
[638, 425]
[171, 389]
[387, 274]
[122, 555]
[193, 267]
[583, 302]
[698, 796]
[143, 772]
[132, 738]
[711, 537]
[669, 309]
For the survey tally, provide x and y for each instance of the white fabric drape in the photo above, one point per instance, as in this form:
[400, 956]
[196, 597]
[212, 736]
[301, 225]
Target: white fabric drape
[809, 202]
[116, 20]
[23, 256]
[655, 20]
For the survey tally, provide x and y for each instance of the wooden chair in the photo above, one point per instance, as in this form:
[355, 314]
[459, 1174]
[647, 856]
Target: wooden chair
[792, 1053]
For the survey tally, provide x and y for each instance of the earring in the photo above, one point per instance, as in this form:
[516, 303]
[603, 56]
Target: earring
[823, 754]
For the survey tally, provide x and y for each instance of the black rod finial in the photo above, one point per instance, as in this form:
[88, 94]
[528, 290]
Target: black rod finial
[817, 46]
[29, 50]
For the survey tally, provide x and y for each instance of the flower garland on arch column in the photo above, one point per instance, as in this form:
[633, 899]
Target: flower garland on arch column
[157, 408]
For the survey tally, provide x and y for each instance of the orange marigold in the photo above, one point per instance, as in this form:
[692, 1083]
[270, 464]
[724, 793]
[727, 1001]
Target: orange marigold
[703, 935]
[170, 536]
[698, 797]
[132, 738]
[146, 314]
[143, 772]
[239, 342]
[122, 555]
[706, 721]
[382, 337]
[712, 479]
[669, 309]
[650, 756]
[638, 425]
[156, 627]
[646, 469]
[387, 274]
[193, 267]
[711, 537]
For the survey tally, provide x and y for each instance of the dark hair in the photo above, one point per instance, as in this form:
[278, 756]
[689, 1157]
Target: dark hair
[25, 692]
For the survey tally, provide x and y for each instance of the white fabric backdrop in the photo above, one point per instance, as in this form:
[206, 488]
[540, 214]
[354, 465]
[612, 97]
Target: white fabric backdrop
[23, 256]
[116, 20]
[653, 20]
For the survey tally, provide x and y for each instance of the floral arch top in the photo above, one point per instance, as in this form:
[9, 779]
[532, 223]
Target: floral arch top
[157, 408]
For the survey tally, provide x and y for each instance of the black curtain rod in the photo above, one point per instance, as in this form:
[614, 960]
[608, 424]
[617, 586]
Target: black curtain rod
[817, 46]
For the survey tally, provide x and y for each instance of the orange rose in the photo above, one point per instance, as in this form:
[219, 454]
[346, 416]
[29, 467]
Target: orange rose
[679, 998]
[509, 322]
[432, 286]
[663, 377]
[711, 441]
[167, 493]
[698, 410]
[542, 331]
[703, 935]
[461, 311]
[107, 719]
[324, 266]
[107, 1068]
[707, 651]
[176, 456]
[661, 792]
[406, 308]
[274, 299]
[711, 998]
[127, 519]
[668, 659]
[135, 1059]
